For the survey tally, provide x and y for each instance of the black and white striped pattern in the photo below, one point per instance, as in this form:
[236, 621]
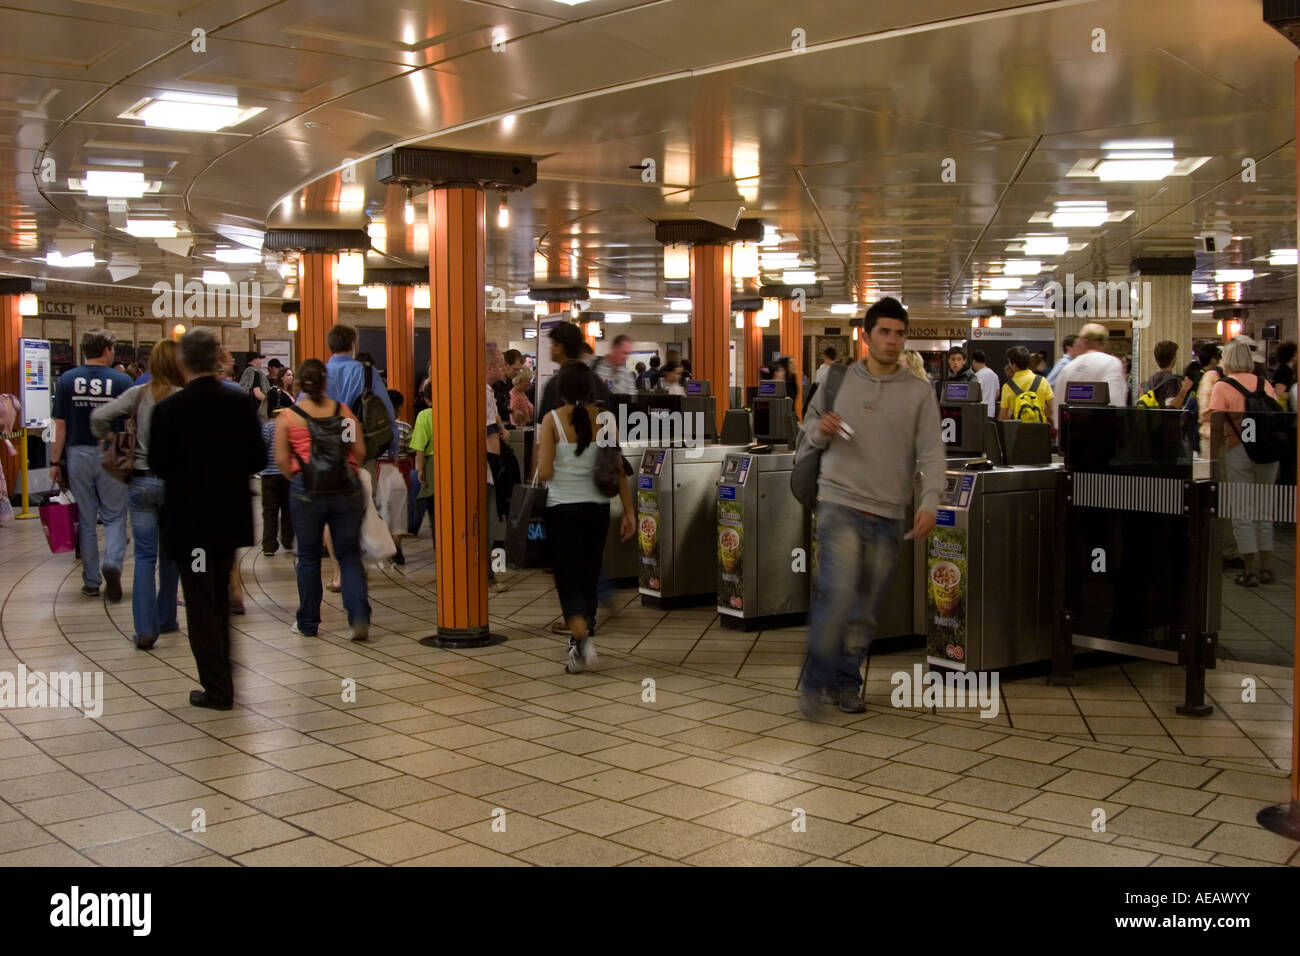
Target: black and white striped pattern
[1247, 501]
[1128, 493]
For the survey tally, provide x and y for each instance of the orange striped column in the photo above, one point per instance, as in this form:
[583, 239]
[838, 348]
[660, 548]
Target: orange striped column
[792, 345]
[710, 321]
[753, 345]
[860, 346]
[318, 304]
[399, 324]
[458, 325]
[11, 330]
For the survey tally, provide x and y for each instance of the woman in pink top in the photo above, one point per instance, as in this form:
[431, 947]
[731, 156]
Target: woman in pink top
[1254, 538]
[521, 409]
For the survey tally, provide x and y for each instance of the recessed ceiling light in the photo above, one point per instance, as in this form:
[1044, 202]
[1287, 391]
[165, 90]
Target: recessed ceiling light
[237, 255]
[1135, 170]
[679, 305]
[1004, 282]
[1022, 267]
[993, 295]
[80, 260]
[1234, 275]
[844, 308]
[1284, 257]
[114, 184]
[215, 277]
[618, 318]
[798, 277]
[192, 112]
[1079, 214]
[1046, 245]
[674, 318]
[153, 229]
[1200, 288]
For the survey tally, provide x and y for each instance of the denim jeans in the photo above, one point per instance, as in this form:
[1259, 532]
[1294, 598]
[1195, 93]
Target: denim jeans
[343, 513]
[98, 496]
[856, 554]
[154, 613]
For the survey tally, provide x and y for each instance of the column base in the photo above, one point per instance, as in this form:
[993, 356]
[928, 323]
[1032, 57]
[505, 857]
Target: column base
[1283, 819]
[455, 638]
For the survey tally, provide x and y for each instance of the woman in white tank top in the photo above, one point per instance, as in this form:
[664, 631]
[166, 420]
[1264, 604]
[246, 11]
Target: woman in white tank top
[577, 514]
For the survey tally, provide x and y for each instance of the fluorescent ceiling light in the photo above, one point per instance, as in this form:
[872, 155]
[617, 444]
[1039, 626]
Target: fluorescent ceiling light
[237, 255]
[677, 262]
[376, 297]
[1004, 282]
[114, 184]
[1134, 170]
[192, 112]
[674, 318]
[601, 294]
[1234, 275]
[80, 260]
[1137, 144]
[771, 236]
[1284, 257]
[1202, 311]
[570, 3]
[351, 269]
[679, 305]
[215, 277]
[422, 297]
[1022, 267]
[744, 260]
[1046, 245]
[844, 308]
[618, 318]
[1200, 288]
[523, 300]
[798, 277]
[157, 229]
[993, 295]
[1081, 214]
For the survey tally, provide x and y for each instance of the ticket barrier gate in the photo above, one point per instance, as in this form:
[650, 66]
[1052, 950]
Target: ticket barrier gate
[676, 503]
[620, 564]
[762, 544]
[988, 569]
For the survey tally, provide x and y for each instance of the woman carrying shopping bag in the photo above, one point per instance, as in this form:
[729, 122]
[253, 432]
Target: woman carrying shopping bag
[577, 512]
[320, 444]
[153, 612]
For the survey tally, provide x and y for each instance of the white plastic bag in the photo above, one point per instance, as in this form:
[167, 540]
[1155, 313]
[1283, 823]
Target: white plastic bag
[376, 542]
[64, 497]
[391, 499]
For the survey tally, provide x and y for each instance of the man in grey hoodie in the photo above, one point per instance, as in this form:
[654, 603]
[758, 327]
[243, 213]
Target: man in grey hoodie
[864, 497]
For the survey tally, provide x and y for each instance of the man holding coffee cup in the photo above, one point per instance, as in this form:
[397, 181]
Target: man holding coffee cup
[883, 429]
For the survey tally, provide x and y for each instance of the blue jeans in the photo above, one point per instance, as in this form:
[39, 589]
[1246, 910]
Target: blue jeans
[343, 513]
[154, 613]
[98, 496]
[856, 554]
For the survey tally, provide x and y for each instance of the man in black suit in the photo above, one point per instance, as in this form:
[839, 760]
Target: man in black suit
[205, 442]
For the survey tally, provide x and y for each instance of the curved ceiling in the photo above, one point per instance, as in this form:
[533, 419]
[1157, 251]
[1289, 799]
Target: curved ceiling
[834, 122]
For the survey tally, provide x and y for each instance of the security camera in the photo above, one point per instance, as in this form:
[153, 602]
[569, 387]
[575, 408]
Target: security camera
[1216, 241]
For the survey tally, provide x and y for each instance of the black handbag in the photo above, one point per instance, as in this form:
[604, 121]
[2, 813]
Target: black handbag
[526, 545]
[805, 474]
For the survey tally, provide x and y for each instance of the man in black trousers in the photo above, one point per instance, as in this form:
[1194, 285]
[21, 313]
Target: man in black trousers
[205, 442]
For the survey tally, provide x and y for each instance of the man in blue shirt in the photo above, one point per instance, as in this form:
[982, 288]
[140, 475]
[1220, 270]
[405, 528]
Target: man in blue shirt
[99, 496]
[1071, 348]
[345, 377]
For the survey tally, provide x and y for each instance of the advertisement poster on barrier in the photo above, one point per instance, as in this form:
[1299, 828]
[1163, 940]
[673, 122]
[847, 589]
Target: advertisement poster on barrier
[731, 543]
[647, 519]
[945, 593]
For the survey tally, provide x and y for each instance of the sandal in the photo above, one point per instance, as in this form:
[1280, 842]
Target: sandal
[1265, 576]
[1247, 580]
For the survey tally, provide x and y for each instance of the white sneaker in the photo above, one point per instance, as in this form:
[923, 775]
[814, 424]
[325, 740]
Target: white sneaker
[575, 662]
[587, 647]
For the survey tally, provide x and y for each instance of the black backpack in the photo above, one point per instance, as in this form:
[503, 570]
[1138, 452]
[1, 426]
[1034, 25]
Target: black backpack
[1271, 433]
[326, 471]
[376, 426]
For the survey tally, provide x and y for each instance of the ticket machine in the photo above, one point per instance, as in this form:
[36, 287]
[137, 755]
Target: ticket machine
[774, 418]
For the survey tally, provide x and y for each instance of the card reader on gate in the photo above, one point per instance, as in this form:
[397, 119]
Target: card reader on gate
[962, 414]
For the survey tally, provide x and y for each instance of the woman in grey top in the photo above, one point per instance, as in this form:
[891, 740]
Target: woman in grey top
[154, 613]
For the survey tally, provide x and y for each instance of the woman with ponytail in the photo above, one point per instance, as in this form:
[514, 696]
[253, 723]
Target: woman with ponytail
[577, 514]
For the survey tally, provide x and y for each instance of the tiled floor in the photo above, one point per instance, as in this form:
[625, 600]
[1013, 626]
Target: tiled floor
[1258, 624]
[495, 756]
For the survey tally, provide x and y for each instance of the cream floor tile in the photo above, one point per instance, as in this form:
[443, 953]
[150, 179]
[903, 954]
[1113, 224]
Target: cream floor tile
[767, 788]
[71, 806]
[104, 828]
[1067, 809]
[909, 779]
[1021, 772]
[298, 801]
[1173, 828]
[1085, 784]
[520, 832]
[1250, 842]
[938, 757]
[395, 792]
[449, 812]
[539, 798]
[991, 794]
[616, 784]
[1000, 840]
[681, 801]
[1270, 789]
[307, 851]
[742, 852]
[579, 849]
[152, 849]
[182, 815]
[22, 834]
[674, 839]
[401, 841]
[1072, 851]
[600, 817]
[889, 849]
[245, 834]
[344, 819]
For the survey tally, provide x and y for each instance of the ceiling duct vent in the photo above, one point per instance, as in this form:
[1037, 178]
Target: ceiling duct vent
[985, 310]
[410, 276]
[412, 166]
[790, 291]
[316, 240]
[702, 232]
[749, 303]
[572, 293]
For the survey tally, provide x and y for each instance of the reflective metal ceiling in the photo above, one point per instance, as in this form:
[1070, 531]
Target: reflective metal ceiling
[841, 145]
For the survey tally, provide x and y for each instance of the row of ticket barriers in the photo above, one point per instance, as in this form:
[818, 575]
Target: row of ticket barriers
[1009, 573]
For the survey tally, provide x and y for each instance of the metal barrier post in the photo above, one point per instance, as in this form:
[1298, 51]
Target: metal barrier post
[1063, 640]
[1196, 649]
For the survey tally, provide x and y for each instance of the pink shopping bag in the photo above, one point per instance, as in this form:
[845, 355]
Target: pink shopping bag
[60, 524]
